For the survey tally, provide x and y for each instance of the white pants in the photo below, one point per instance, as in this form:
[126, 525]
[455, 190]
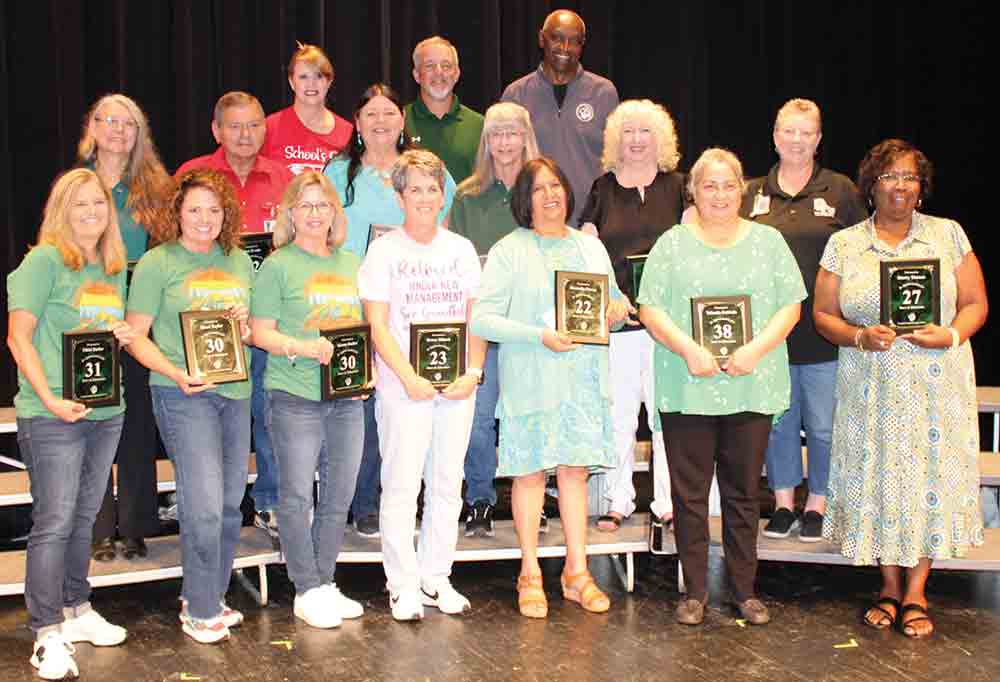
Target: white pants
[632, 384]
[428, 440]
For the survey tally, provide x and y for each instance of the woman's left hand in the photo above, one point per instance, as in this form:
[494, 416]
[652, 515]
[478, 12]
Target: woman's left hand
[461, 388]
[931, 336]
[741, 362]
[240, 313]
[617, 311]
[123, 332]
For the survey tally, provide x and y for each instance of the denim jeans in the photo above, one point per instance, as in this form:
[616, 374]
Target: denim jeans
[207, 438]
[265, 488]
[368, 490]
[68, 467]
[812, 405]
[481, 458]
[299, 428]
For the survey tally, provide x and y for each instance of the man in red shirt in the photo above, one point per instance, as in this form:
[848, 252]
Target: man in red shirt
[238, 127]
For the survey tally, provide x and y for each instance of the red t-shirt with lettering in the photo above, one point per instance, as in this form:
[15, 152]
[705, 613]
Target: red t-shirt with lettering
[289, 142]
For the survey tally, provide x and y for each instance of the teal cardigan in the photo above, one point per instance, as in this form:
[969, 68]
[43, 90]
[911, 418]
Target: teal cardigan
[515, 304]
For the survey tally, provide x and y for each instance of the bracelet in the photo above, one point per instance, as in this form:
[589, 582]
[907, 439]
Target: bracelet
[857, 339]
[287, 348]
[955, 339]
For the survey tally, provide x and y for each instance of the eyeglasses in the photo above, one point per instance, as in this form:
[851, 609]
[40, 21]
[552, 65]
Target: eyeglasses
[429, 67]
[320, 207]
[716, 188]
[506, 134]
[112, 122]
[250, 127]
[893, 178]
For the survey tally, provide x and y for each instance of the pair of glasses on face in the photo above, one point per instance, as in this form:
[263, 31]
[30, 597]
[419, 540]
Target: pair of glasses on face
[320, 207]
[112, 122]
[893, 178]
[503, 135]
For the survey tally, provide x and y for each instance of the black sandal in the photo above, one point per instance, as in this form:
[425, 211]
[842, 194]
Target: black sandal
[134, 548]
[608, 518]
[877, 606]
[903, 623]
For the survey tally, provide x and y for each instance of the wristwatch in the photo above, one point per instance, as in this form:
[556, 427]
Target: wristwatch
[476, 372]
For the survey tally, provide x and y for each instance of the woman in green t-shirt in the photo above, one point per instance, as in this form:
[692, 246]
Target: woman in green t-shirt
[205, 427]
[306, 286]
[72, 281]
[716, 405]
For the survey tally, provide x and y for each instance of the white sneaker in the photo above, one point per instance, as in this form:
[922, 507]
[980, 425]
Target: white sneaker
[441, 595]
[346, 607]
[204, 631]
[406, 605]
[318, 608]
[53, 657]
[91, 627]
[231, 617]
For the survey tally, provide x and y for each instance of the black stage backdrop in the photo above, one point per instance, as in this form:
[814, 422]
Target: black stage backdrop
[915, 70]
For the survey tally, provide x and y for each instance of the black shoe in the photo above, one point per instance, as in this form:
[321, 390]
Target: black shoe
[543, 523]
[811, 529]
[479, 522]
[103, 550]
[781, 524]
[367, 526]
[134, 548]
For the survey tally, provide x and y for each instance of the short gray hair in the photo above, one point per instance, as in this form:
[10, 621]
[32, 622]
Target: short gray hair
[710, 156]
[419, 160]
[433, 40]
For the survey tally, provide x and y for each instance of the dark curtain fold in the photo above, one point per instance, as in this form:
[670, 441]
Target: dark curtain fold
[877, 70]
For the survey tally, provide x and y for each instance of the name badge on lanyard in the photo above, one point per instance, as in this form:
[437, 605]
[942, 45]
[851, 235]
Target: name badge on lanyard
[761, 204]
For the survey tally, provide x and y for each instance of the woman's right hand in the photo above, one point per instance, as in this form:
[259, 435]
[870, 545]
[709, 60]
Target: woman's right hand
[419, 388]
[877, 338]
[189, 384]
[319, 349]
[700, 362]
[557, 342]
[68, 410]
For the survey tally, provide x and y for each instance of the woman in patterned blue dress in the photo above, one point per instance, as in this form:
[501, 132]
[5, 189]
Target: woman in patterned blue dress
[554, 395]
[904, 474]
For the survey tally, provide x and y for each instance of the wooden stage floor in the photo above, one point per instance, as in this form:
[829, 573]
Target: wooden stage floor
[815, 635]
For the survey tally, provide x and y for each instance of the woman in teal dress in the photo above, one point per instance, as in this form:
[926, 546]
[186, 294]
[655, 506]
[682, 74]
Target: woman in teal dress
[554, 396]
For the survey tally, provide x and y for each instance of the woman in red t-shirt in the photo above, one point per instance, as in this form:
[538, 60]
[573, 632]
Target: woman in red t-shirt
[305, 135]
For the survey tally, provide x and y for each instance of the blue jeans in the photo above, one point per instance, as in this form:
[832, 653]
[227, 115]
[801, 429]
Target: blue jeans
[299, 428]
[368, 490]
[68, 467]
[207, 437]
[812, 405]
[481, 458]
[265, 488]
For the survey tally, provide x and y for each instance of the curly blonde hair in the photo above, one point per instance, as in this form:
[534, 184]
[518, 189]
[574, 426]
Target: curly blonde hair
[149, 184]
[284, 228]
[57, 231]
[229, 237]
[660, 123]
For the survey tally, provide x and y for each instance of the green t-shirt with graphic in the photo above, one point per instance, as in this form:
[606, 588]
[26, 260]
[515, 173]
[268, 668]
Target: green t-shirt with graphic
[304, 294]
[169, 279]
[62, 300]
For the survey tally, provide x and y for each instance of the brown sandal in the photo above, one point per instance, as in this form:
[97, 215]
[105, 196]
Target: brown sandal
[531, 600]
[582, 589]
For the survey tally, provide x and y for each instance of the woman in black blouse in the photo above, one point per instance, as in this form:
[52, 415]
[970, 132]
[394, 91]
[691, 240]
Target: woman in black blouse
[638, 199]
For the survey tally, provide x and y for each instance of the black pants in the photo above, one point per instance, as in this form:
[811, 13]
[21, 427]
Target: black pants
[134, 515]
[732, 446]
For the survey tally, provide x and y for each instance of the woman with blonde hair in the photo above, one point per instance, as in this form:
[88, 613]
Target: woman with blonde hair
[205, 427]
[306, 286]
[639, 197]
[481, 213]
[117, 144]
[72, 280]
[307, 134]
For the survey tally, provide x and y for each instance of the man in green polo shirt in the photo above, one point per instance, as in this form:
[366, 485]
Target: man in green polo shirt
[437, 120]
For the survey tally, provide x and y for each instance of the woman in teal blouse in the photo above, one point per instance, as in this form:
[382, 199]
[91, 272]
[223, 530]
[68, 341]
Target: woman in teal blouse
[561, 423]
[716, 412]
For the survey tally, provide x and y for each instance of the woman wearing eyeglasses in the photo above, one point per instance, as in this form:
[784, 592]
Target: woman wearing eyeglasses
[308, 285]
[117, 144]
[904, 475]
